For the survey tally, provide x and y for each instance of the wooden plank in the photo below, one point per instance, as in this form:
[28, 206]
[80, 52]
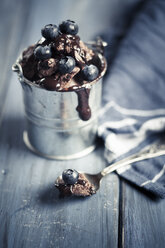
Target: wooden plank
[142, 219]
[31, 214]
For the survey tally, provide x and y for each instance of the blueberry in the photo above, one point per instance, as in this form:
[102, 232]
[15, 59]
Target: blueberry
[50, 32]
[70, 176]
[90, 72]
[42, 52]
[69, 27]
[66, 65]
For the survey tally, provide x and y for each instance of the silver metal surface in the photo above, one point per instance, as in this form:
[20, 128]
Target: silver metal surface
[155, 150]
[54, 128]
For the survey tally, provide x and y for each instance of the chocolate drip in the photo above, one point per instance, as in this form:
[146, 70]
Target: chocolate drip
[83, 104]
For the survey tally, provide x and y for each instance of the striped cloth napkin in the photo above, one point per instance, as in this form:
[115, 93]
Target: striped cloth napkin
[133, 112]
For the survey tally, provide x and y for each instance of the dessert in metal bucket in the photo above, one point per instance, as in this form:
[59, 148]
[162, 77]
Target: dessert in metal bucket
[61, 78]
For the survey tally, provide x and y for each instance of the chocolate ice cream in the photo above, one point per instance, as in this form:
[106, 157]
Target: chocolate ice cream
[60, 61]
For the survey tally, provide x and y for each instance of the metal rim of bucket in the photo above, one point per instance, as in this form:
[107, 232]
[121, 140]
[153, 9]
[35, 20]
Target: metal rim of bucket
[67, 157]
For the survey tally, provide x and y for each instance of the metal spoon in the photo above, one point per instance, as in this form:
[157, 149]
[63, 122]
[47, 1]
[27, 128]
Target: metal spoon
[154, 150]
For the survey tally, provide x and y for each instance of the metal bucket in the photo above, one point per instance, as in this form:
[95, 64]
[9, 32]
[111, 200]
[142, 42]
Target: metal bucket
[54, 128]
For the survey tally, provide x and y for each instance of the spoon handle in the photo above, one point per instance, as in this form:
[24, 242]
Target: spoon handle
[155, 150]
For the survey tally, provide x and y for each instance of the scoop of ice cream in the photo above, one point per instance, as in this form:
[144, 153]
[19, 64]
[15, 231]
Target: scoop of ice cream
[47, 67]
[66, 43]
[29, 63]
[86, 53]
[59, 82]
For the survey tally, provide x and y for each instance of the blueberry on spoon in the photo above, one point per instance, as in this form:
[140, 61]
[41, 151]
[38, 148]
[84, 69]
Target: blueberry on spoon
[70, 176]
[69, 27]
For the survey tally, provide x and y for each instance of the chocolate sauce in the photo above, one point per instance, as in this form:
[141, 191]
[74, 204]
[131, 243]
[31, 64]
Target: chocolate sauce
[83, 104]
[60, 82]
[51, 83]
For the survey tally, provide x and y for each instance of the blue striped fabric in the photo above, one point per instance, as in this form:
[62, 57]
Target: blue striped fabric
[133, 112]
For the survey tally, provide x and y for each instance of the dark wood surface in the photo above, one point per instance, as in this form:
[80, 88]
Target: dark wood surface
[31, 214]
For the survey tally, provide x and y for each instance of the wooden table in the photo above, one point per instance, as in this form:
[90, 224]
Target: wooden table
[31, 214]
